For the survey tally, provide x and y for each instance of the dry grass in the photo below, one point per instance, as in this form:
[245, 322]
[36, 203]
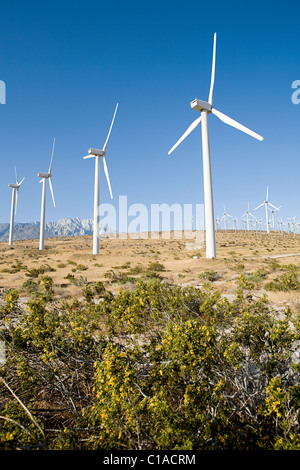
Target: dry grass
[122, 260]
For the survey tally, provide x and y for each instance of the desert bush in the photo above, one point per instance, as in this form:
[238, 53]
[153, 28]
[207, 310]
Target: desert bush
[81, 267]
[156, 266]
[158, 366]
[210, 275]
[258, 275]
[289, 280]
[35, 272]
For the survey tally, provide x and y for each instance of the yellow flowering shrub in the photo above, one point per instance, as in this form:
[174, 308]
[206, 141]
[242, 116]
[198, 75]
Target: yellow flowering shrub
[157, 366]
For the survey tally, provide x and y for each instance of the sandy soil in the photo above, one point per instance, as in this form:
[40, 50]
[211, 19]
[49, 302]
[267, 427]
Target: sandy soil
[182, 261]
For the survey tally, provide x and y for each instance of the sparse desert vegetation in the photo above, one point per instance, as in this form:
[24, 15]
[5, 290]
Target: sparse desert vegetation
[151, 345]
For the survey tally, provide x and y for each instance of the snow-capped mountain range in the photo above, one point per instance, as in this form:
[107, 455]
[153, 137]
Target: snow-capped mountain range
[62, 228]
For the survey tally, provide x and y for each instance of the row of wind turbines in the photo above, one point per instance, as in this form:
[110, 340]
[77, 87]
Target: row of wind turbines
[205, 108]
[92, 153]
[251, 223]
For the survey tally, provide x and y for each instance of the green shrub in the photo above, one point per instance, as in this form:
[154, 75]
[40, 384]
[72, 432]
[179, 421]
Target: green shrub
[35, 272]
[210, 275]
[155, 266]
[285, 282]
[156, 366]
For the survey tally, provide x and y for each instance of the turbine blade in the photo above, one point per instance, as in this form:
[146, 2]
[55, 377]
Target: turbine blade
[105, 145]
[187, 132]
[41, 180]
[259, 206]
[50, 167]
[276, 208]
[233, 123]
[51, 189]
[88, 156]
[267, 193]
[21, 182]
[16, 174]
[213, 70]
[107, 176]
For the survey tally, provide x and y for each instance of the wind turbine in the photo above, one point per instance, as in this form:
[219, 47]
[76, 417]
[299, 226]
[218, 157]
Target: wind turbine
[45, 177]
[244, 223]
[256, 225]
[217, 223]
[266, 203]
[280, 224]
[14, 201]
[247, 213]
[293, 224]
[97, 153]
[205, 108]
[273, 217]
[225, 217]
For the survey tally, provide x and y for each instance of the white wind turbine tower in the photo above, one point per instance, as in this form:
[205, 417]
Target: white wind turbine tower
[14, 201]
[45, 177]
[97, 153]
[205, 108]
[247, 213]
[266, 203]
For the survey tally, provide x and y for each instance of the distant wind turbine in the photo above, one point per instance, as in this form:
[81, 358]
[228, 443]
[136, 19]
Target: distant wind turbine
[293, 224]
[247, 213]
[266, 203]
[206, 108]
[217, 223]
[225, 217]
[97, 153]
[14, 201]
[273, 216]
[280, 224]
[45, 177]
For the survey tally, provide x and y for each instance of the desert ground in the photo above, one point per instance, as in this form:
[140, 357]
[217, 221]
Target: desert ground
[70, 262]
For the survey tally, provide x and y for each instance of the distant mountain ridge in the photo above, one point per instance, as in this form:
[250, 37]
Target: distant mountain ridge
[62, 228]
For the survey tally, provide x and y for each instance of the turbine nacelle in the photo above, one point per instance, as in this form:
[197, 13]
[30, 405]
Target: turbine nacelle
[44, 175]
[200, 105]
[96, 152]
[14, 186]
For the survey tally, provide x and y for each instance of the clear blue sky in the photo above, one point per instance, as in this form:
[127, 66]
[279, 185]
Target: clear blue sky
[66, 64]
